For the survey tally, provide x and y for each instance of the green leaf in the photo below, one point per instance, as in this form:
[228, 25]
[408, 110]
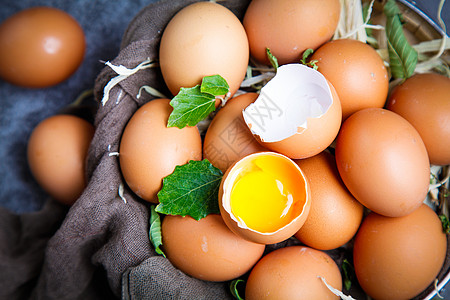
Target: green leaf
[445, 223]
[234, 288]
[215, 85]
[272, 59]
[348, 271]
[304, 61]
[192, 189]
[190, 106]
[155, 230]
[402, 56]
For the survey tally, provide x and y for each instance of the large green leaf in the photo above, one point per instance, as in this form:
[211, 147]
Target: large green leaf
[192, 189]
[402, 56]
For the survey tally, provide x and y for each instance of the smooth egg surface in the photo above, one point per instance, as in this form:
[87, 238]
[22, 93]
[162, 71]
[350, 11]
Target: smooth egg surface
[40, 47]
[356, 71]
[335, 214]
[289, 27]
[203, 39]
[228, 137]
[56, 152]
[397, 258]
[150, 151]
[383, 162]
[423, 100]
[293, 273]
[207, 249]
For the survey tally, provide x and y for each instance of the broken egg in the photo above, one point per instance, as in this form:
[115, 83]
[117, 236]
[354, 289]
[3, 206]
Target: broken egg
[264, 197]
[298, 112]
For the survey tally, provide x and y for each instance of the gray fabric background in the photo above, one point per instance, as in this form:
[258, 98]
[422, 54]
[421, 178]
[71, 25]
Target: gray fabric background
[104, 23]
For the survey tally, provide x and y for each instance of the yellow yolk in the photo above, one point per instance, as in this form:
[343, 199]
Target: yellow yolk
[265, 197]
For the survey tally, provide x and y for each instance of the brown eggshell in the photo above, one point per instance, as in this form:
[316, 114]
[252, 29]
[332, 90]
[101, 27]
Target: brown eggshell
[203, 39]
[242, 230]
[150, 151]
[57, 151]
[383, 162]
[207, 249]
[397, 258]
[228, 137]
[320, 133]
[423, 100]
[357, 73]
[335, 214]
[40, 47]
[293, 273]
[288, 28]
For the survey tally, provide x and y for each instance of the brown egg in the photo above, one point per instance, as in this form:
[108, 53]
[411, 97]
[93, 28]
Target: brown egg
[264, 197]
[207, 249]
[57, 151]
[203, 39]
[288, 28]
[150, 151]
[383, 162]
[335, 214]
[298, 112]
[228, 137]
[40, 47]
[423, 100]
[357, 73]
[397, 258]
[293, 273]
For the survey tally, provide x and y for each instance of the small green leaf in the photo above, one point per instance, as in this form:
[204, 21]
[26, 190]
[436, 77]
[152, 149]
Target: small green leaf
[215, 85]
[190, 106]
[272, 59]
[192, 189]
[445, 223]
[304, 61]
[155, 230]
[402, 56]
[348, 270]
[234, 288]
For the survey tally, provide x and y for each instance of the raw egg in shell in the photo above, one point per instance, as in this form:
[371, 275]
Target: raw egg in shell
[264, 197]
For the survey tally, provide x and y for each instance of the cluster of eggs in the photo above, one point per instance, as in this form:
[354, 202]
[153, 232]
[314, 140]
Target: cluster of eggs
[280, 180]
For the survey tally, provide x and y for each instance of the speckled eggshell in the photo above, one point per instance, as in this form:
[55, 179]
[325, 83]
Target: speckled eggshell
[150, 151]
[397, 258]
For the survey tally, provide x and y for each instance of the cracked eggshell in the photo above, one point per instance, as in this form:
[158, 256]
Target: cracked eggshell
[298, 112]
[240, 228]
[207, 249]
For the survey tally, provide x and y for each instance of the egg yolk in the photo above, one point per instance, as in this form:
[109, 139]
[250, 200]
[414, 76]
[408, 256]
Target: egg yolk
[269, 195]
